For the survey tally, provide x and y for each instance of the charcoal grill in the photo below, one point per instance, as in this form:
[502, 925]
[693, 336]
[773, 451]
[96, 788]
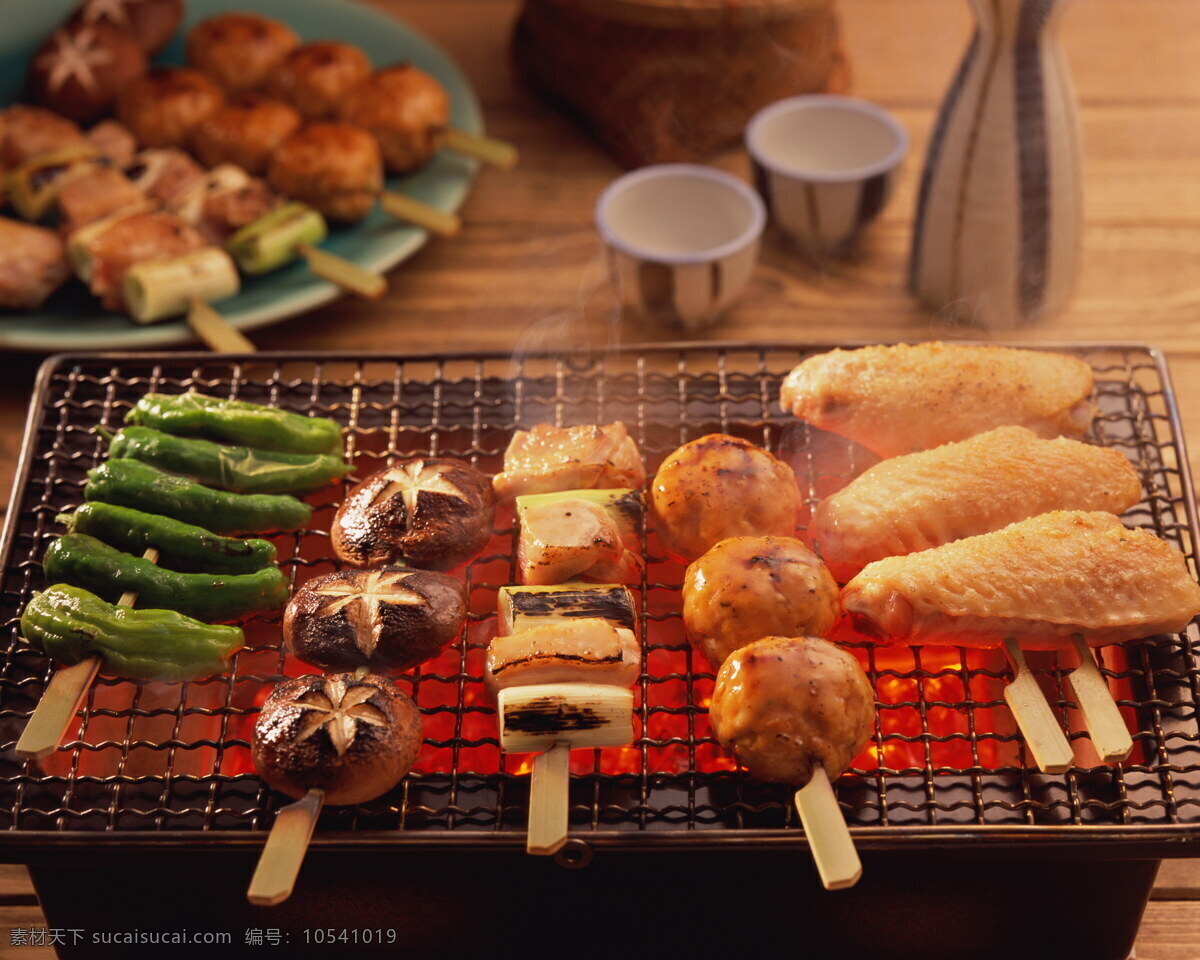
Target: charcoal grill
[150, 815]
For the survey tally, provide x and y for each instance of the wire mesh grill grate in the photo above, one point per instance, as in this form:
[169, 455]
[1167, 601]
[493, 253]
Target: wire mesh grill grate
[945, 751]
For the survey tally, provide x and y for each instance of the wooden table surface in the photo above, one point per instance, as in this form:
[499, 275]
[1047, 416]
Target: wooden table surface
[528, 269]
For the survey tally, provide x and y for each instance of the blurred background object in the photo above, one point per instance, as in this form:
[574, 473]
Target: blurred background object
[667, 80]
[999, 217]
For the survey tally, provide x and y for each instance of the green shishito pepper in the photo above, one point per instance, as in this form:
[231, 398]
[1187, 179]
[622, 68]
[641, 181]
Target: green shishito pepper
[180, 546]
[84, 561]
[236, 421]
[240, 469]
[131, 483]
[70, 624]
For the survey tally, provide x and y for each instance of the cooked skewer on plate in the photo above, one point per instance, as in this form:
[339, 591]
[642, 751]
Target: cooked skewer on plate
[561, 679]
[404, 107]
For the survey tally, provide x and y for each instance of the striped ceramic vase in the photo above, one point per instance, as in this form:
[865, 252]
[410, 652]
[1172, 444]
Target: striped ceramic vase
[999, 216]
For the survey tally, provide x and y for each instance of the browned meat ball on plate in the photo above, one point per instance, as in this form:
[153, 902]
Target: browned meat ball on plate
[355, 738]
[239, 50]
[333, 167]
[315, 78]
[406, 108]
[246, 131]
[165, 106]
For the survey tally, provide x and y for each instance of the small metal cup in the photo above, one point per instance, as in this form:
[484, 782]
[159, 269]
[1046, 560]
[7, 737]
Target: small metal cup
[825, 165]
[683, 239]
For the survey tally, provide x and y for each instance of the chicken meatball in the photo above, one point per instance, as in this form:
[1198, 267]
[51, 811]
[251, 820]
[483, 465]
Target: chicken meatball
[745, 588]
[26, 132]
[333, 167]
[719, 487]
[782, 706]
[148, 22]
[79, 71]
[239, 50]
[246, 131]
[353, 737]
[316, 77]
[165, 106]
[406, 109]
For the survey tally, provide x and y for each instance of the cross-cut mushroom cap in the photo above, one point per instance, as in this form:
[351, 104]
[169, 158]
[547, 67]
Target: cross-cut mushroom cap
[354, 738]
[428, 512]
[387, 618]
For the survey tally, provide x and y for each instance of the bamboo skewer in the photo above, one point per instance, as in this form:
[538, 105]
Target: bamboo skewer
[488, 150]
[829, 838]
[63, 696]
[214, 331]
[279, 865]
[549, 805]
[1051, 750]
[343, 273]
[421, 214]
[1105, 725]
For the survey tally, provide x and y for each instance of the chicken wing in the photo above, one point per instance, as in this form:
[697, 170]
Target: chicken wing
[962, 489]
[901, 398]
[1039, 581]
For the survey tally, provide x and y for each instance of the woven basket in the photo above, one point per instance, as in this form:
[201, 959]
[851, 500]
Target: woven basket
[670, 80]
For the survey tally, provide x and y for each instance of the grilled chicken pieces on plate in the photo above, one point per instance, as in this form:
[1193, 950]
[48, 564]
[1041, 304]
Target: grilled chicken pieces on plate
[1039, 582]
[975, 486]
[902, 398]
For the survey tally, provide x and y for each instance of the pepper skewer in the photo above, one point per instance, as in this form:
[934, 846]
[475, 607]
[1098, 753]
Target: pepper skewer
[1051, 750]
[63, 695]
[828, 836]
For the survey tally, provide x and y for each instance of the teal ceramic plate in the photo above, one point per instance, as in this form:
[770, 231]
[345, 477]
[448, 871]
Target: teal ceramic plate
[73, 320]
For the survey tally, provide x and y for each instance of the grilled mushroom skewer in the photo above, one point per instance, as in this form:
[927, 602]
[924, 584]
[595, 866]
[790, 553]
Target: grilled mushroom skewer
[343, 738]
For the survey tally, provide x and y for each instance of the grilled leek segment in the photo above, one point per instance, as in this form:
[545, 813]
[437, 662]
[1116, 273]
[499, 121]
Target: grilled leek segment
[272, 240]
[531, 606]
[586, 534]
[165, 288]
[34, 185]
[585, 715]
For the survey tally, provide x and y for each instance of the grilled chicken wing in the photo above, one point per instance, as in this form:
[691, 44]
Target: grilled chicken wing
[547, 459]
[962, 489]
[897, 399]
[1038, 581]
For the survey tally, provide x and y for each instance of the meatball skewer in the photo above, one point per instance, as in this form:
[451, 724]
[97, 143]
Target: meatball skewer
[797, 711]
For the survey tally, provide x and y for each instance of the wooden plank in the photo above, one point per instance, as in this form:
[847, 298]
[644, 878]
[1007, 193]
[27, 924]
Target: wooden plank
[15, 885]
[1178, 880]
[22, 918]
[1170, 931]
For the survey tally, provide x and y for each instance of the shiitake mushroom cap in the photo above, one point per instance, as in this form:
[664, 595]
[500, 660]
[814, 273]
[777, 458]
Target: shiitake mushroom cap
[451, 522]
[388, 618]
[353, 737]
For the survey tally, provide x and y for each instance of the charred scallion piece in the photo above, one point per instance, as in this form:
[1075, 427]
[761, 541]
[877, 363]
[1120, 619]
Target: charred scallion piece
[274, 240]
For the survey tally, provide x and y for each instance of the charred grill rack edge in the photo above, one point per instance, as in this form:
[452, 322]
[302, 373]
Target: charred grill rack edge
[168, 764]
